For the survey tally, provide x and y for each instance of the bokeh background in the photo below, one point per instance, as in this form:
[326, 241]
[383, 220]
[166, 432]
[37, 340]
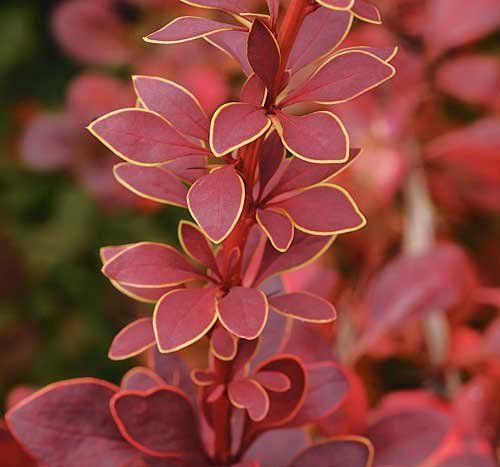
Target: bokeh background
[430, 173]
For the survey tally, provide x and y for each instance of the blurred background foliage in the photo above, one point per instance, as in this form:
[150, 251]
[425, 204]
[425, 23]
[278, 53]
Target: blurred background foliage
[57, 313]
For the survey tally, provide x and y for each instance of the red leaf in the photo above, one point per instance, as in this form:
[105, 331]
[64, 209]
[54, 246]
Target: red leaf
[277, 448]
[154, 183]
[73, 416]
[318, 137]
[273, 381]
[323, 210]
[283, 405]
[327, 389]
[174, 102]
[366, 12]
[412, 286]
[468, 459]
[320, 34]
[216, 201]
[343, 77]
[150, 265]
[48, 142]
[353, 451]
[225, 136]
[196, 245]
[234, 6]
[132, 340]
[183, 316]
[91, 94]
[171, 369]
[277, 225]
[304, 249]
[142, 137]
[234, 44]
[243, 312]
[302, 174]
[143, 294]
[10, 450]
[253, 91]
[186, 28]
[409, 434]
[91, 32]
[223, 344]
[453, 78]
[203, 377]
[159, 422]
[470, 21]
[304, 306]
[337, 4]
[304, 341]
[250, 395]
[140, 379]
[273, 155]
[189, 168]
[263, 53]
[384, 53]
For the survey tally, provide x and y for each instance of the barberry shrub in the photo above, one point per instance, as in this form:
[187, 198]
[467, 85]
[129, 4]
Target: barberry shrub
[256, 178]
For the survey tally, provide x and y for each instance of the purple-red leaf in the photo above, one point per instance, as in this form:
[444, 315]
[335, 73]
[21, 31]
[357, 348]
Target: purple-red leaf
[337, 4]
[263, 53]
[196, 245]
[327, 388]
[174, 102]
[320, 34]
[323, 210]
[366, 12]
[304, 306]
[253, 91]
[159, 422]
[225, 136]
[189, 168]
[234, 44]
[284, 404]
[303, 250]
[277, 225]
[141, 379]
[183, 316]
[154, 183]
[250, 395]
[132, 340]
[186, 28]
[302, 174]
[409, 434]
[273, 155]
[341, 78]
[276, 448]
[470, 20]
[319, 137]
[233, 6]
[352, 451]
[410, 287]
[243, 312]
[453, 77]
[273, 381]
[223, 344]
[216, 201]
[69, 423]
[142, 137]
[150, 265]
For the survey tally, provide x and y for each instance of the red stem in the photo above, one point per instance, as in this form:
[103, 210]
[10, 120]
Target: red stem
[251, 154]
